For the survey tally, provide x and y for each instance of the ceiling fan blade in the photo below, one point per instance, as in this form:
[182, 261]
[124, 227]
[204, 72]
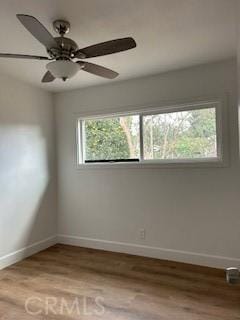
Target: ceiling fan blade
[97, 70]
[38, 30]
[22, 56]
[48, 77]
[104, 48]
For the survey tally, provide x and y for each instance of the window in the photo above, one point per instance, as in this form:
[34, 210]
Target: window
[111, 139]
[178, 134]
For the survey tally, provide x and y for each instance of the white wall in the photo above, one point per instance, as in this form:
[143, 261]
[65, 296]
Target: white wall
[27, 170]
[238, 59]
[189, 214]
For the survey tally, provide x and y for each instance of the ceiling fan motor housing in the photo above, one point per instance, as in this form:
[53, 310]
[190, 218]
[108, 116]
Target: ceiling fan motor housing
[66, 46]
[65, 50]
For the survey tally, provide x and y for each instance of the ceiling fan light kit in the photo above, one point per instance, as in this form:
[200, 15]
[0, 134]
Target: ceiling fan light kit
[63, 69]
[62, 51]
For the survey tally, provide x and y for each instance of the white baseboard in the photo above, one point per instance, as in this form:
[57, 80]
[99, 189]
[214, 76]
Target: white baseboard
[152, 252]
[25, 252]
[130, 248]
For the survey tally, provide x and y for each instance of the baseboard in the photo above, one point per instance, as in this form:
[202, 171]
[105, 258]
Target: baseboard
[25, 252]
[123, 247]
[152, 252]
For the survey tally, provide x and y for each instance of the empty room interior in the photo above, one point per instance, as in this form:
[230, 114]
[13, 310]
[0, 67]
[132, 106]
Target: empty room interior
[119, 159]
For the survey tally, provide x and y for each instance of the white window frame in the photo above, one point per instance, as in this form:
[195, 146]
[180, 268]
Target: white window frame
[221, 129]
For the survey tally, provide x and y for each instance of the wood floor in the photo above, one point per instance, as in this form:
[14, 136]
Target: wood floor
[65, 282]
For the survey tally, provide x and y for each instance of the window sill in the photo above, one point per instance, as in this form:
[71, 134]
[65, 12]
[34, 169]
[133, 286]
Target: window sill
[148, 164]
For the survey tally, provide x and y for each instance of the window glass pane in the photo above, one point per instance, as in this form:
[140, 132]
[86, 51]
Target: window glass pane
[111, 138]
[180, 135]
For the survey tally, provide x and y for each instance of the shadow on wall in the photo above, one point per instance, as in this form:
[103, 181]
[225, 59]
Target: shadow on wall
[27, 186]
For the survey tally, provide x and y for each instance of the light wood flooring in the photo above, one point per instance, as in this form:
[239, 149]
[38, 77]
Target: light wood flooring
[65, 282]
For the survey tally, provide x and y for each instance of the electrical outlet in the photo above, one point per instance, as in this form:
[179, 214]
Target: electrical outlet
[142, 234]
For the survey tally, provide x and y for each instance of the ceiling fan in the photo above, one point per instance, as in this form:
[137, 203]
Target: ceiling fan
[62, 51]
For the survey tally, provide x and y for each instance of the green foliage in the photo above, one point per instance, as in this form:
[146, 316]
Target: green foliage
[105, 140]
[187, 134]
[177, 135]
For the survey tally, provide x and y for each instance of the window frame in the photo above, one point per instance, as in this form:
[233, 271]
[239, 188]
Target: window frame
[222, 155]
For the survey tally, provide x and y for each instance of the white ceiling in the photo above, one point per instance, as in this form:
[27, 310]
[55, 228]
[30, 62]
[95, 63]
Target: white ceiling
[170, 34]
